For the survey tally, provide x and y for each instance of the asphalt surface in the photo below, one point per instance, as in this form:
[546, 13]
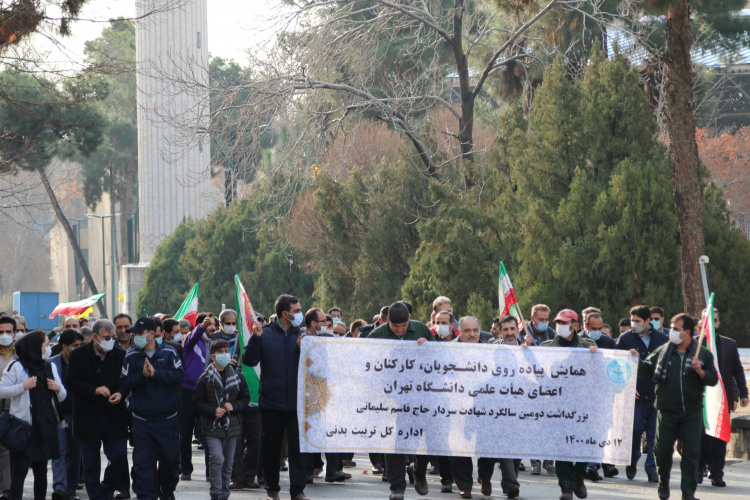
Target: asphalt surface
[365, 485]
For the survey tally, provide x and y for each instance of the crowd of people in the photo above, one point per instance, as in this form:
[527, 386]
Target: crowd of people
[163, 386]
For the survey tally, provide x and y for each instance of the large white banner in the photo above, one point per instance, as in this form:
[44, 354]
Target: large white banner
[484, 400]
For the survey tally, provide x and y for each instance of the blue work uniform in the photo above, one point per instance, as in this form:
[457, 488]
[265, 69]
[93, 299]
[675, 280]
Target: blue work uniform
[153, 403]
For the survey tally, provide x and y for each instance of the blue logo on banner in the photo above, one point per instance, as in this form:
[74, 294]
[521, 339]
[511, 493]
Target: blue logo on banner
[618, 371]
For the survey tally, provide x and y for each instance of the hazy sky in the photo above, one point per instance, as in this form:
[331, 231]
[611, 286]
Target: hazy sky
[233, 27]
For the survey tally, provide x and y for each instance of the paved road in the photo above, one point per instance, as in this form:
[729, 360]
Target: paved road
[364, 485]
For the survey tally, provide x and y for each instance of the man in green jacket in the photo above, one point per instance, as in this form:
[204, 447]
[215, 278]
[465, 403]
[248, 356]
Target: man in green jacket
[401, 327]
[570, 475]
[680, 376]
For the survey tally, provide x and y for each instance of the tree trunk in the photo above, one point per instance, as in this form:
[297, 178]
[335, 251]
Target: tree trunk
[71, 237]
[684, 153]
[466, 123]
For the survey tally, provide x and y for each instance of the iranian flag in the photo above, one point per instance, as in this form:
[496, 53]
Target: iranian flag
[506, 295]
[189, 308]
[245, 318]
[74, 308]
[715, 404]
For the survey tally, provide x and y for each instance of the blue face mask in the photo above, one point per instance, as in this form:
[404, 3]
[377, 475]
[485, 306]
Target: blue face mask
[656, 324]
[542, 326]
[159, 340]
[595, 335]
[141, 341]
[337, 320]
[298, 318]
[223, 358]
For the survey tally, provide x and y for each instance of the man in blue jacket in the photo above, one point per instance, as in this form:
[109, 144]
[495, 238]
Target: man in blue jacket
[276, 347]
[150, 373]
[645, 339]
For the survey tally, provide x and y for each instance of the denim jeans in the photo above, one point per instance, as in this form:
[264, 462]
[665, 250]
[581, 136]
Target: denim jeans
[66, 469]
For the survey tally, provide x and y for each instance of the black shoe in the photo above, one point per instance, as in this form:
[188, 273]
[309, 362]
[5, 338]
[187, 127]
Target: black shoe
[348, 463]
[653, 478]
[410, 472]
[630, 471]
[593, 475]
[609, 470]
[567, 490]
[5, 495]
[420, 482]
[512, 491]
[521, 467]
[283, 467]
[384, 478]
[252, 485]
[700, 478]
[689, 497]
[338, 477]
[718, 482]
[345, 474]
[235, 485]
[377, 470]
[435, 471]
[71, 496]
[580, 490]
[59, 495]
[122, 495]
[486, 487]
[396, 496]
[446, 488]
[262, 481]
[663, 492]
[309, 479]
[185, 477]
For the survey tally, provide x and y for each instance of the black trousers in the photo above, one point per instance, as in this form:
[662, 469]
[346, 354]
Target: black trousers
[462, 468]
[247, 463]
[395, 470]
[445, 470]
[377, 460]
[509, 470]
[713, 456]
[19, 469]
[275, 422]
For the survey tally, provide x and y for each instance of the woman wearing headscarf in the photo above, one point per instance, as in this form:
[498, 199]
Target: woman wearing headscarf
[35, 390]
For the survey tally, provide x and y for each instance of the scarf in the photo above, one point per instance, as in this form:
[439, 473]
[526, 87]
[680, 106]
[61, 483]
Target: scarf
[222, 389]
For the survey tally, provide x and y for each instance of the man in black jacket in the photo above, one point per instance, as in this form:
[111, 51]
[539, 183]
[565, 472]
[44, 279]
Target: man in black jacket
[643, 338]
[99, 413]
[713, 450]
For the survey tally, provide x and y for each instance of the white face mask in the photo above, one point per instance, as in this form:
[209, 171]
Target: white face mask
[563, 331]
[6, 339]
[443, 330]
[230, 329]
[19, 336]
[107, 345]
[178, 337]
[47, 352]
[637, 328]
[674, 337]
[323, 330]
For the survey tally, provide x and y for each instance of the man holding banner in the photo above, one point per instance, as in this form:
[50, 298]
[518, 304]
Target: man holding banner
[400, 327]
[680, 374]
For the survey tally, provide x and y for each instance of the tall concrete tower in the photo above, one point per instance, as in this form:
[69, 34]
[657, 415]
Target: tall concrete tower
[173, 115]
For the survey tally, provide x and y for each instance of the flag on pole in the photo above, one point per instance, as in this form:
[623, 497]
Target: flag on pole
[245, 318]
[74, 308]
[715, 403]
[189, 308]
[506, 295]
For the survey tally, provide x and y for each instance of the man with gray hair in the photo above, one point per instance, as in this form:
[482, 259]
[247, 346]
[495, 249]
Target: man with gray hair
[228, 331]
[184, 330]
[99, 413]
